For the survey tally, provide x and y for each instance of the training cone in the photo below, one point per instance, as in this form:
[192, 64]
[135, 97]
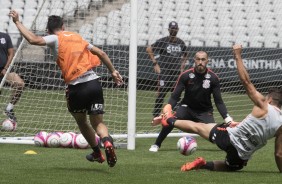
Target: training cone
[30, 152]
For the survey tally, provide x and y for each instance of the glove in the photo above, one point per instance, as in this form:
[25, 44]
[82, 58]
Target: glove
[228, 119]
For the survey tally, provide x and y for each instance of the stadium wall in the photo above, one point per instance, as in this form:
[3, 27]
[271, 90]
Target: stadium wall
[257, 60]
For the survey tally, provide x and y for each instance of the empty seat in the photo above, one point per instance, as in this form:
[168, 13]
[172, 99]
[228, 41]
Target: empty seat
[4, 18]
[242, 39]
[30, 4]
[239, 30]
[57, 11]
[30, 12]
[5, 4]
[57, 4]
[226, 40]
[17, 4]
[112, 40]
[271, 42]
[256, 41]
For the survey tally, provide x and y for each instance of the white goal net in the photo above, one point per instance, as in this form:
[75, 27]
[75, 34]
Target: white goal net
[209, 25]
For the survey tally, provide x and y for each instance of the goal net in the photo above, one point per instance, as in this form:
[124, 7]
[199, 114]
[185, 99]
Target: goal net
[209, 25]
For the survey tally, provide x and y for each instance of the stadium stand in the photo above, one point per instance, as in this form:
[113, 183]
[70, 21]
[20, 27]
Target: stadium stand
[226, 22]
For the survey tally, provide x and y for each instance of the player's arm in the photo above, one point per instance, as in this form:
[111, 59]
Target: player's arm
[28, 35]
[106, 60]
[184, 58]
[183, 61]
[176, 94]
[220, 105]
[278, 149]
[11, 54]
[253, 94]
[150, 52]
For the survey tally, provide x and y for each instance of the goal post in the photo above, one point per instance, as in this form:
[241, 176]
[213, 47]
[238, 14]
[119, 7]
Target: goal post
[124, 29]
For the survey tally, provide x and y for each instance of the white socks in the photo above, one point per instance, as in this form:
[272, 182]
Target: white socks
[9, 107]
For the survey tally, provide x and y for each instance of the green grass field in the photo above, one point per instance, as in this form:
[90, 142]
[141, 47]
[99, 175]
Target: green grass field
[58, 165]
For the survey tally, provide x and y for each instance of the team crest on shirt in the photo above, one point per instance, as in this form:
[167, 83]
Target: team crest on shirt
[206, 84]
[191, 75]
[207, 76]
[3, 41]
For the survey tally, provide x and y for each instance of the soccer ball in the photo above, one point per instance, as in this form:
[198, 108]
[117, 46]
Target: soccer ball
[40, 139]
[79, 142]
[53, 140]
[9, 125]
[187, 145]
[66, 139]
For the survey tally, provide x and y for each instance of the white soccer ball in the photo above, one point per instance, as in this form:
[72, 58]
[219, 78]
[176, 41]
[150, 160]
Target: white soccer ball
[187, 145]
[66, 139]
[53, 140]
[9, 125]
[40, 139]
[79, 142]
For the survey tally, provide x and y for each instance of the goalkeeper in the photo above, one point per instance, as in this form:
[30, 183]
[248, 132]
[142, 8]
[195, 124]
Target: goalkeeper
[199, 84]
[76, 58]
[238, 140]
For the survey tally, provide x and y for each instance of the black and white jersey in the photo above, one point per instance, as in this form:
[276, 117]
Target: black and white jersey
[198, 90]
[5, 44]
[170, 54]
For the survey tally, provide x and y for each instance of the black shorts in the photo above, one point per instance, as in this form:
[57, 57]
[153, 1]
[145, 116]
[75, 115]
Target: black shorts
[183, 112]
[220, 137]
[85, 97]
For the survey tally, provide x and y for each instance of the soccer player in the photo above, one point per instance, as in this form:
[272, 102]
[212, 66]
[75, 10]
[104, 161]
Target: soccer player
[13, 79]
[76, 58]
[199, 84]
[168, 55]
[238, 139]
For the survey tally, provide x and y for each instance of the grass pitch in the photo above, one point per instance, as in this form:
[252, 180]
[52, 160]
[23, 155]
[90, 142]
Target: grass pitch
[59, 165]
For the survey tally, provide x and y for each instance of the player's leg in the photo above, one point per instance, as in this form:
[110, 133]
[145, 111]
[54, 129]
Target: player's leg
[162, 91]
[77, 101]
[95, 110]
[188, 126]
[232, 162]
[17, 84]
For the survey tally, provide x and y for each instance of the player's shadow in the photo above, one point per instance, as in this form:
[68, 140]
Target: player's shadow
[209, 149]
[82, 169]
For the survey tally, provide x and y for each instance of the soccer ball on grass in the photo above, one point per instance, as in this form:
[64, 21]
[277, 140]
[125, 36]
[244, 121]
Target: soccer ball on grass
[9, 125]
[53, 140]
[66, 139]
[187, 145]
[79, 142]
[40, 139]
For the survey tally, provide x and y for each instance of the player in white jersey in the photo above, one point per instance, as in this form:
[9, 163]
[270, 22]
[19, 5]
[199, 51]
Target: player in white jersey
[238, 139]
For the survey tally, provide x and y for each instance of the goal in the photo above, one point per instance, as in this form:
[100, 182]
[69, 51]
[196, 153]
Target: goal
[209, 25]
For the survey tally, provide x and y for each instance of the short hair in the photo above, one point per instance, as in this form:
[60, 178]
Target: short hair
[54, 23]
[203, 52]
[276, 95]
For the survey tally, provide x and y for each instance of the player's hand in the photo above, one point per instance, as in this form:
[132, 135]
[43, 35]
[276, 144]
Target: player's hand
[237, 49]
[233, 124]
[117, 78]
[14, 15]
[3, 72]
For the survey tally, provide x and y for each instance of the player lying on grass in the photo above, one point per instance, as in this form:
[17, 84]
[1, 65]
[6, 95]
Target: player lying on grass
[238, 140]
[76, 58]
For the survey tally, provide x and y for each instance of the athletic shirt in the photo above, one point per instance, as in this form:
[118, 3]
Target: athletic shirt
[170, 54]
[198, 90]
[5, 44]
[73, 57]
[252, 133]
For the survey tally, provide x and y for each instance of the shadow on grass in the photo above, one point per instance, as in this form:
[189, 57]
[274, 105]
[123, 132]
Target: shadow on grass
[83, 169]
